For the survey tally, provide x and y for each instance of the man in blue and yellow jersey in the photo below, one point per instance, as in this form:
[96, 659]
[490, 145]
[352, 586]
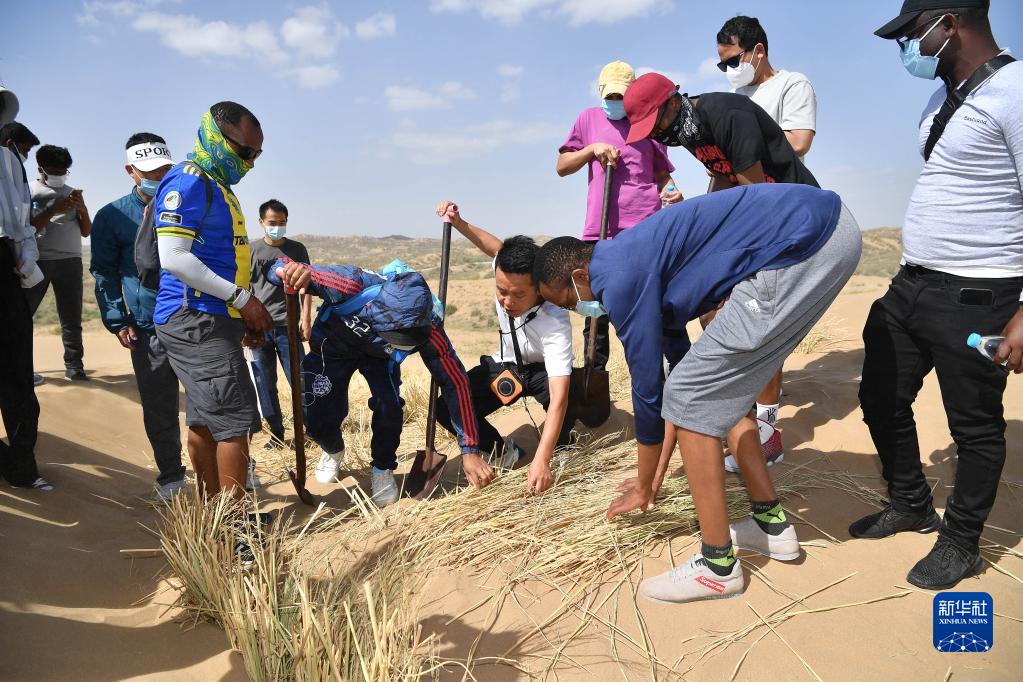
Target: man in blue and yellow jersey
[204, 310]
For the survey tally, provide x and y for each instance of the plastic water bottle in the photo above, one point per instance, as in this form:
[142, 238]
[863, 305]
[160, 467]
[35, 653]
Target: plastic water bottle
[986, 345]
[668, 188]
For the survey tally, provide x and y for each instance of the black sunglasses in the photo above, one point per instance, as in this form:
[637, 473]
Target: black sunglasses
[732, 62]
[244, 152]
[904, 40]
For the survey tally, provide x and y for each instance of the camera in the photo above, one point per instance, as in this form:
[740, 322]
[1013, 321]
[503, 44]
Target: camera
[506, 386]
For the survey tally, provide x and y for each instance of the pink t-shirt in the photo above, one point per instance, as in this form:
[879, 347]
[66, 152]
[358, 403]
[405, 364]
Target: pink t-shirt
[634, 194]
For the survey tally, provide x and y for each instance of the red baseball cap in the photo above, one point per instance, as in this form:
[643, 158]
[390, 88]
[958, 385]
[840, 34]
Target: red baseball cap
[643, 101]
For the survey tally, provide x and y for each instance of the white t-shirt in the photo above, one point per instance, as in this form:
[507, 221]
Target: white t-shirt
[788, 98]
[544, 337]
[965, 216]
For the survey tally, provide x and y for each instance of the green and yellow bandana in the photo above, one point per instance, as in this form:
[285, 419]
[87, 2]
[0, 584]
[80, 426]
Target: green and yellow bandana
[214, 155]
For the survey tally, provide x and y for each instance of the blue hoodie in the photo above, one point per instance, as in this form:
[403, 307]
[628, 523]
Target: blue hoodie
[404, 301]
[683, 260]
[120, 295]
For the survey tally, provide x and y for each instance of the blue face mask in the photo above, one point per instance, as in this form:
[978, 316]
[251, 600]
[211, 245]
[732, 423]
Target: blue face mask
[919, 65]
[276, 232]
[149, 187]
[587, 308]
[614, 109]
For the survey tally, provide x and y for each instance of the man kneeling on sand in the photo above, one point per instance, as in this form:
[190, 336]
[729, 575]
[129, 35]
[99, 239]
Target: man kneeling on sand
[780, 253]
[370, 323]
[535, 358]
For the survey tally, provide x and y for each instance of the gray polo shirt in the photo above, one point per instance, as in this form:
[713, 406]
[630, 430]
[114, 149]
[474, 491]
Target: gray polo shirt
[62, 236]
[272, 296]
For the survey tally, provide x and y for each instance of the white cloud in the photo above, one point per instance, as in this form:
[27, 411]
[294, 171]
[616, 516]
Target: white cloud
[313, 32]
[296, 49]
[510, 70]
[411, 98]
[194, 38]
[445, 146]
[92, 10]
[577, 12]
[380, 25]
[709, 68]
[510, 93]
[679, 78]
[315, 77]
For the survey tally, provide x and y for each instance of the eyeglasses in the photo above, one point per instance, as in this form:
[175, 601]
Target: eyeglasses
[904, 40]
[731, 62]
[246, 153]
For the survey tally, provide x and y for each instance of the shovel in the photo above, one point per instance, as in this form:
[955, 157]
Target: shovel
[590, 386]
[428, 465]
[298, 475]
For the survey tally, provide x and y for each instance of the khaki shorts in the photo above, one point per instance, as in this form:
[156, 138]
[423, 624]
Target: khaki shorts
[206, 353]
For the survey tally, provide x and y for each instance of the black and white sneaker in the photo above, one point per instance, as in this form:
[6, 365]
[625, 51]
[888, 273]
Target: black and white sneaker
[889, 522]
[945, 565]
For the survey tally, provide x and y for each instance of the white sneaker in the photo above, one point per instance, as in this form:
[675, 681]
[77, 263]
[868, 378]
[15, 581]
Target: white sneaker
[326, 470]
[42, 484]
[692, 581]
[512, 454]
[168, 491]
[770, 447]
[385, 488]
[252, 481]
[747, 534]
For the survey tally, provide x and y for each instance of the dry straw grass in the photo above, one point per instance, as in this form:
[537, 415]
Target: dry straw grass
[340, 597]
[287, 622]
[825, 336]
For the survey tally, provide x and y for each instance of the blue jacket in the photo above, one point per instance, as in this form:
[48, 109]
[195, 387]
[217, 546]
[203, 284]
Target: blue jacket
[121, 297]
[681, 261]
[404, 301]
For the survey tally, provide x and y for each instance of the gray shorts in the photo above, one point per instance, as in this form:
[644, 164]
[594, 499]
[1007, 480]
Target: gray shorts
[765, 318]
[206, 353]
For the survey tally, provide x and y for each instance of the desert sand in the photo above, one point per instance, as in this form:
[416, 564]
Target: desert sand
[82, 598]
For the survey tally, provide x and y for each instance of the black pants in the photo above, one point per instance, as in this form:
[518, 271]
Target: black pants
[158, 391]
[603, 349]
[65, 274]
[918, 325]
[17, 394]
[484, 402]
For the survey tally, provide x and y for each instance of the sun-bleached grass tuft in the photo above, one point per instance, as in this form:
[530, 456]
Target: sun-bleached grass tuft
[825, 336]
[287, 621]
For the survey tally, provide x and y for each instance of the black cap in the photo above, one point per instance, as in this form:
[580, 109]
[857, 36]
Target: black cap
[409, 338]
[911, 9]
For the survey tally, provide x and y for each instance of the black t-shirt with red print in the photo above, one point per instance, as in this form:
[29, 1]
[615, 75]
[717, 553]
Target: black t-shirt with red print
[735, 133]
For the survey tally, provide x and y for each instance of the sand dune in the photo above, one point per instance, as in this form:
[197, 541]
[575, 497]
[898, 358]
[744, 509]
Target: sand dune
[75, 605]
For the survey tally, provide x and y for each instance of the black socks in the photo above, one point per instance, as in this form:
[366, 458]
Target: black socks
[769, 516]
[719, 559]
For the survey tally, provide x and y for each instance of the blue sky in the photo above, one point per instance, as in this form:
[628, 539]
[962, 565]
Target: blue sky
[374, 111]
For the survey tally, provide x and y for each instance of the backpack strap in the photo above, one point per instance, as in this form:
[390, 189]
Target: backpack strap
[353, 304]
[208, 184]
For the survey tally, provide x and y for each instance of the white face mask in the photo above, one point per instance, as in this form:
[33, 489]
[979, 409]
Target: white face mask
[55, 181]
[743, 74]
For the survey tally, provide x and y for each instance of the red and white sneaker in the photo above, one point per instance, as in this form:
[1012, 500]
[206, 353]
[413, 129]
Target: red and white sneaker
[770, 447]
[693, 581]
